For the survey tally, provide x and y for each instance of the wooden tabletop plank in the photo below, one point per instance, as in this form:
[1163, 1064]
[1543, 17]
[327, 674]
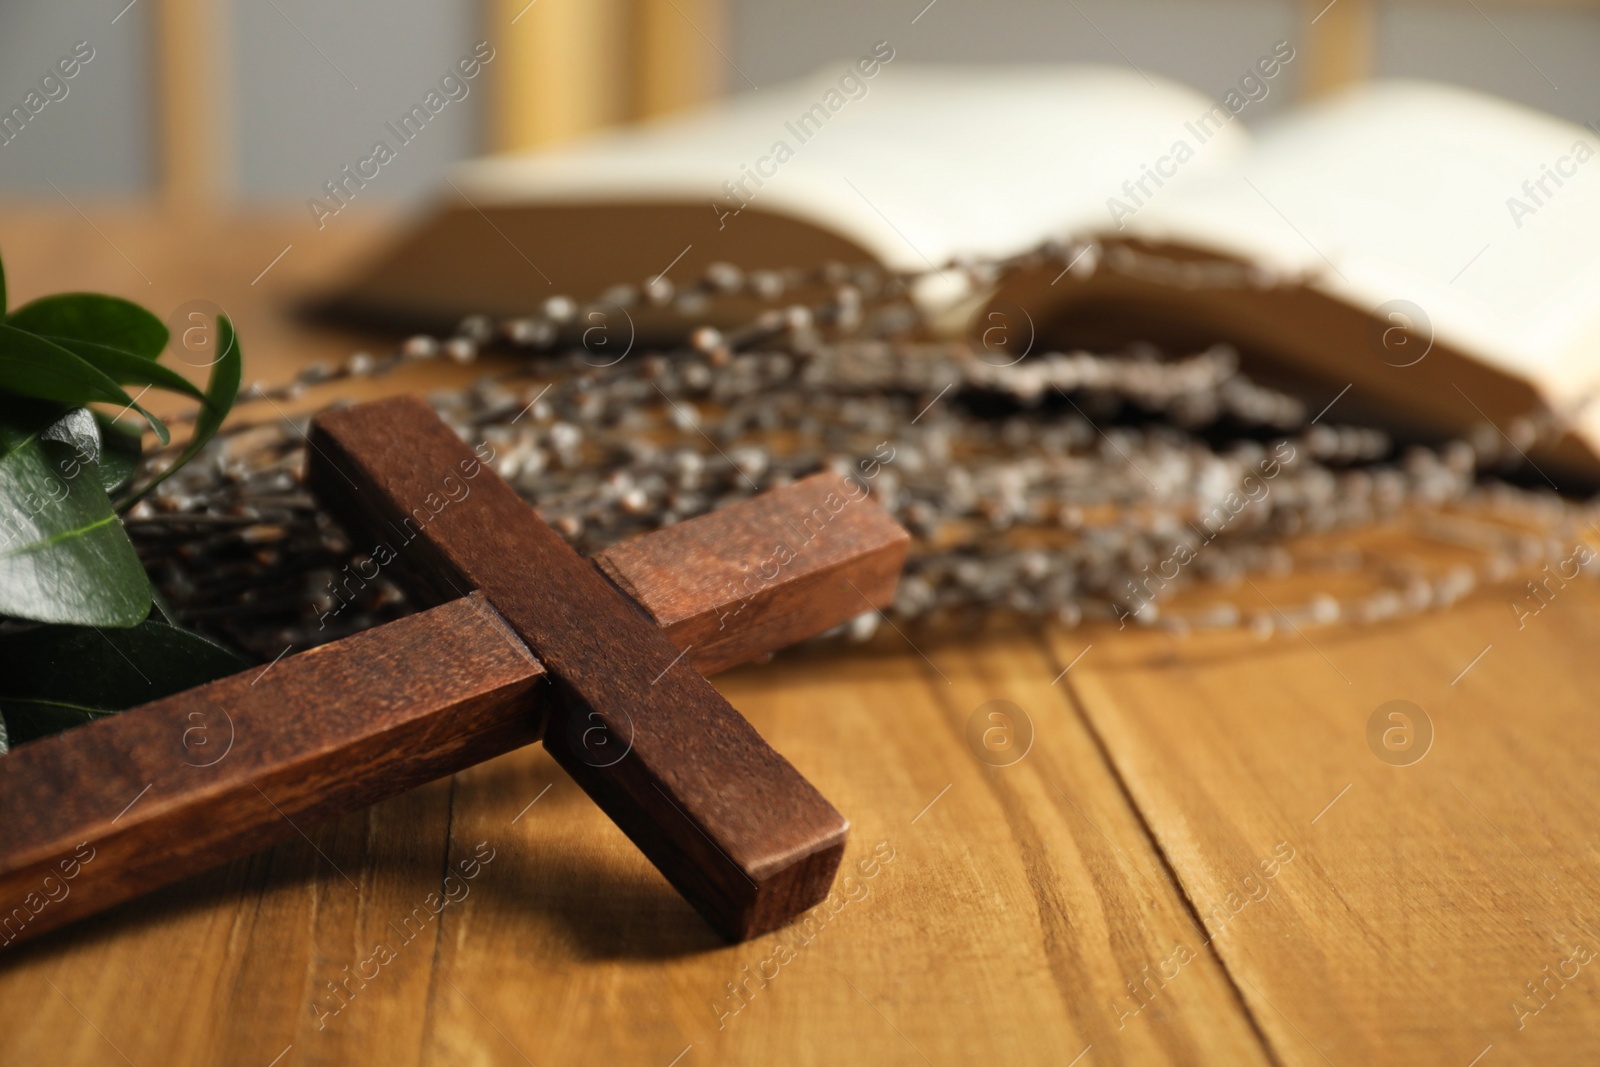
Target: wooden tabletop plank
[1002, 918]
[1410, 930]
[1407, 912]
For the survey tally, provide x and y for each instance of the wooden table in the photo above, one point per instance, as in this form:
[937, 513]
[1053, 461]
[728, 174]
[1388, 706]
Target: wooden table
[1199, 859]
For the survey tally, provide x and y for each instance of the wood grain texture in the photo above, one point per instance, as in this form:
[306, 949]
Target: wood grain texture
[1009, 924]
[1018, 905]
[136, 801]
[983, 914]
[1433, 911]
[725, 818]
[766, 572]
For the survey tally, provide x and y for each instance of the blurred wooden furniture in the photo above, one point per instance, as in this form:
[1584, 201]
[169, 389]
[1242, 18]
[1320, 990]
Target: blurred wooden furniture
[1340, 37]
[568, 67]
[1197, 859]
[564, 68]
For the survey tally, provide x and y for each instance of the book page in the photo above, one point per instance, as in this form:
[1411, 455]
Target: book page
[915, 163]
[1483, 214]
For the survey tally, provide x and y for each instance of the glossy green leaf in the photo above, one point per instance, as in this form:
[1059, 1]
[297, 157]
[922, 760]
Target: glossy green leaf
[77, 430]
[221, 391]
[105, 320]
[223, 388]
[64, 556]
[68, 675]
[120, 449]
[22, 418]
[161, 608]
[33, 366]
[162, 433]
[127, 368]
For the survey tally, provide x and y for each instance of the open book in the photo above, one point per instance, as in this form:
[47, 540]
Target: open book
[1435, 250]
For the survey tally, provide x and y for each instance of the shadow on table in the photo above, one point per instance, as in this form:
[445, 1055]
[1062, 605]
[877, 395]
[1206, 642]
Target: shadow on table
[600, 910]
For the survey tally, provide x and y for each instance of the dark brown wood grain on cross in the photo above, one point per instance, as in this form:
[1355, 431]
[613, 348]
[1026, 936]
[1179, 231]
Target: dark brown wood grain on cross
[163, 791]
[741, 834]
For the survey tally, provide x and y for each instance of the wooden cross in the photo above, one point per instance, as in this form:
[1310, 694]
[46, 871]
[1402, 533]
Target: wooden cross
[124, 805]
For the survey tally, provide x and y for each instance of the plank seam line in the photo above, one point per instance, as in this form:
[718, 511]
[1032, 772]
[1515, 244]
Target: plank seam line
[1074, 700]
[438, 933]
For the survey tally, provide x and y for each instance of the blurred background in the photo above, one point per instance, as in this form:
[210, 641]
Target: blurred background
[210, 104]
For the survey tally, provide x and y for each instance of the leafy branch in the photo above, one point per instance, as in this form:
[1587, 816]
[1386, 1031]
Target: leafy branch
[76, 607]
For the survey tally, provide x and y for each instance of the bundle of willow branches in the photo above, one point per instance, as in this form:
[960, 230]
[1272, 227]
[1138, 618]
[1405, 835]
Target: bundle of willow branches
[1138, 486]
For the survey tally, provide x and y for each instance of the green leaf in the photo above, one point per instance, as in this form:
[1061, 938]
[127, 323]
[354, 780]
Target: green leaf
[106, 320]
[64, 556]
[69, 675]
[77, 430]
[221, 391]
[111, 670]
[127, 368]
[223, 388]
[22, 418]
[33, 366]
[160, 608]
[120, 448]
[114, 447]
[32, 719]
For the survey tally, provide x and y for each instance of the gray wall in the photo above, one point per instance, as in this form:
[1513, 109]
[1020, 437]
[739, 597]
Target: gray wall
[312, 85]
[1205, 45]
[317, 81]
[97, 138]
[1209, 46]
[1507, 51]
[300, 119]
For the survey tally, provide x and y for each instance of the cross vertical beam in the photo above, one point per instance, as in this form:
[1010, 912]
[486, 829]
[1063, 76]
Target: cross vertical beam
[729, 822]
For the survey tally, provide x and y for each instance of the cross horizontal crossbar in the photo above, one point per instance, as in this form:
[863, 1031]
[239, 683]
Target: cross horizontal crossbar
[142, 799]
[729, 822]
